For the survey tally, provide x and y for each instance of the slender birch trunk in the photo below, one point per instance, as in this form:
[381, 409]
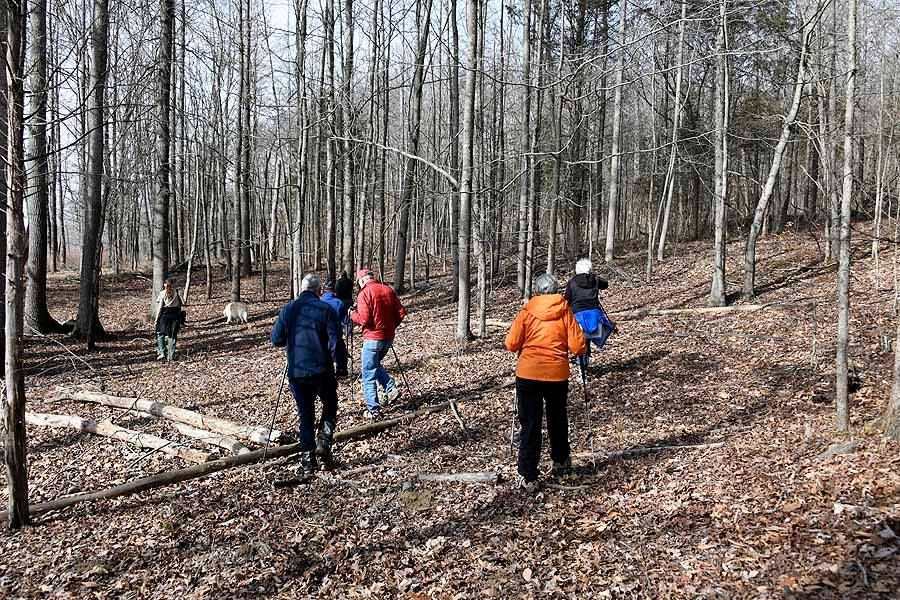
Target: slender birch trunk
[615, 160]
[843, 288]
[790, 120]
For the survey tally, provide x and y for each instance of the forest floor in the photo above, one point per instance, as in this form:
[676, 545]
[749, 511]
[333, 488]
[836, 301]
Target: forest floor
[751, 507]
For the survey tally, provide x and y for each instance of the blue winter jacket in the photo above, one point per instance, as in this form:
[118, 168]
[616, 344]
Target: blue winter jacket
[340, 310]
[309, 329]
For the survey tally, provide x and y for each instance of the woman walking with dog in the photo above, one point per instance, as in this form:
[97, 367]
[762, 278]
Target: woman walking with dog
[169, 318]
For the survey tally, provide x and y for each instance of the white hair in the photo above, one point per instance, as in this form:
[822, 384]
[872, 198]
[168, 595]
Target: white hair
[310, 283]
[583, 266]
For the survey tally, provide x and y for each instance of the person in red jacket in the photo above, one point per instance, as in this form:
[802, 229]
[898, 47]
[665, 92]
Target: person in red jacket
[379, 312]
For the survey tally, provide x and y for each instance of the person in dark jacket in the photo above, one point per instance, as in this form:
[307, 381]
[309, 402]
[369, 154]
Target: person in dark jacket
[583, 295]
[343, 289]
[309, 329]
[379, 312]
[340, 311]
[169, 307]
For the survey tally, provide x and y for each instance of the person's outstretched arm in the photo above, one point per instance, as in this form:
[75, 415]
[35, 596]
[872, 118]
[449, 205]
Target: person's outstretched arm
[362, 314]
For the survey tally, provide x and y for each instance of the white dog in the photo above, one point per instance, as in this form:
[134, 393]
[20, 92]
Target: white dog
[235, 311]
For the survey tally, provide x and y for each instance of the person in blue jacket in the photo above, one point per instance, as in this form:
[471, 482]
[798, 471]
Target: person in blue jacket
[340, 310]
[309, 329]
[583, 295]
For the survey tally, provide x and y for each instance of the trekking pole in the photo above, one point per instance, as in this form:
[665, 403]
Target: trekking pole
[275, 411]
[512, 423]
[350, 361]
[587, 410]
[402, 372]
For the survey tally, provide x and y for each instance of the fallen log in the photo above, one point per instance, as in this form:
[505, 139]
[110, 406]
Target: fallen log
[177, 476]
[213, 439]
[111, 430]
[477, 477]
[256, 434]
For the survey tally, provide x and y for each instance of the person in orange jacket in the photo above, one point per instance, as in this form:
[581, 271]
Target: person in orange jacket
[543, 334]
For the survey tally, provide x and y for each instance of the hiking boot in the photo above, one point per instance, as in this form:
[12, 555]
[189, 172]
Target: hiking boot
[323, 445]
[391, 396]
[373, 414]
[530, 487]
[160, 356]
[562, 468]
[307, 463]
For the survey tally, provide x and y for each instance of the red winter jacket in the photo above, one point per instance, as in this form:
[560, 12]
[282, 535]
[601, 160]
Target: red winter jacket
[378, 311]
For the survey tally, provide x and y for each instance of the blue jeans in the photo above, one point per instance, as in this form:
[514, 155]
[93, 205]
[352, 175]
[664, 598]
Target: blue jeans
[373, 374]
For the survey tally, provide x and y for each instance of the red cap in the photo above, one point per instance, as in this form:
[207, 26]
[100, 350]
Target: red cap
[362, 273]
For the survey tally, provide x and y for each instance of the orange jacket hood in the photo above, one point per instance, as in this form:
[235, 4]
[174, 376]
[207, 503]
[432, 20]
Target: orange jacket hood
[547, 307]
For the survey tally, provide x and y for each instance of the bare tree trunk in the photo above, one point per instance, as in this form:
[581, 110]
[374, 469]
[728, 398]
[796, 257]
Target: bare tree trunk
[238, 239]
[4, 152]
[717, 291]
[300, 8]
[891, 418]
[789, 120]
[669, 184]
[200, 197]
[463, 331]
[88, 322]
[330, 166]
[37, 317]
[13, 402]
[348, 187]
[526, 149]
[454, 146]
[552, 237]
[880, 170]
[615, 160]
[246, 146]
[834, 223]
[843, 291]
[409, 170]
[381, 213]
[163, 106]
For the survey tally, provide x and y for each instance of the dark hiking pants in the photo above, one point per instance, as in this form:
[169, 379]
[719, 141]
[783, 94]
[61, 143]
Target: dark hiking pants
[305, 390]
[531, 397]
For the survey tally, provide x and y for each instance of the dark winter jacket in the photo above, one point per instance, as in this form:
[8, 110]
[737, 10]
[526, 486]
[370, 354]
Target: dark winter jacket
[343, 289]
[378, 311]
[309, 329]
[582, 292]
[337, 305]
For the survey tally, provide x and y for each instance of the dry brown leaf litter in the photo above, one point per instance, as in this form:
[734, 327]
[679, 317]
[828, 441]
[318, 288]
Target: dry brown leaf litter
[761, 516]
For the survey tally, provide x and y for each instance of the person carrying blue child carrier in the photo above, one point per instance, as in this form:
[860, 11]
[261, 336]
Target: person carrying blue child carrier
[582, 294]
